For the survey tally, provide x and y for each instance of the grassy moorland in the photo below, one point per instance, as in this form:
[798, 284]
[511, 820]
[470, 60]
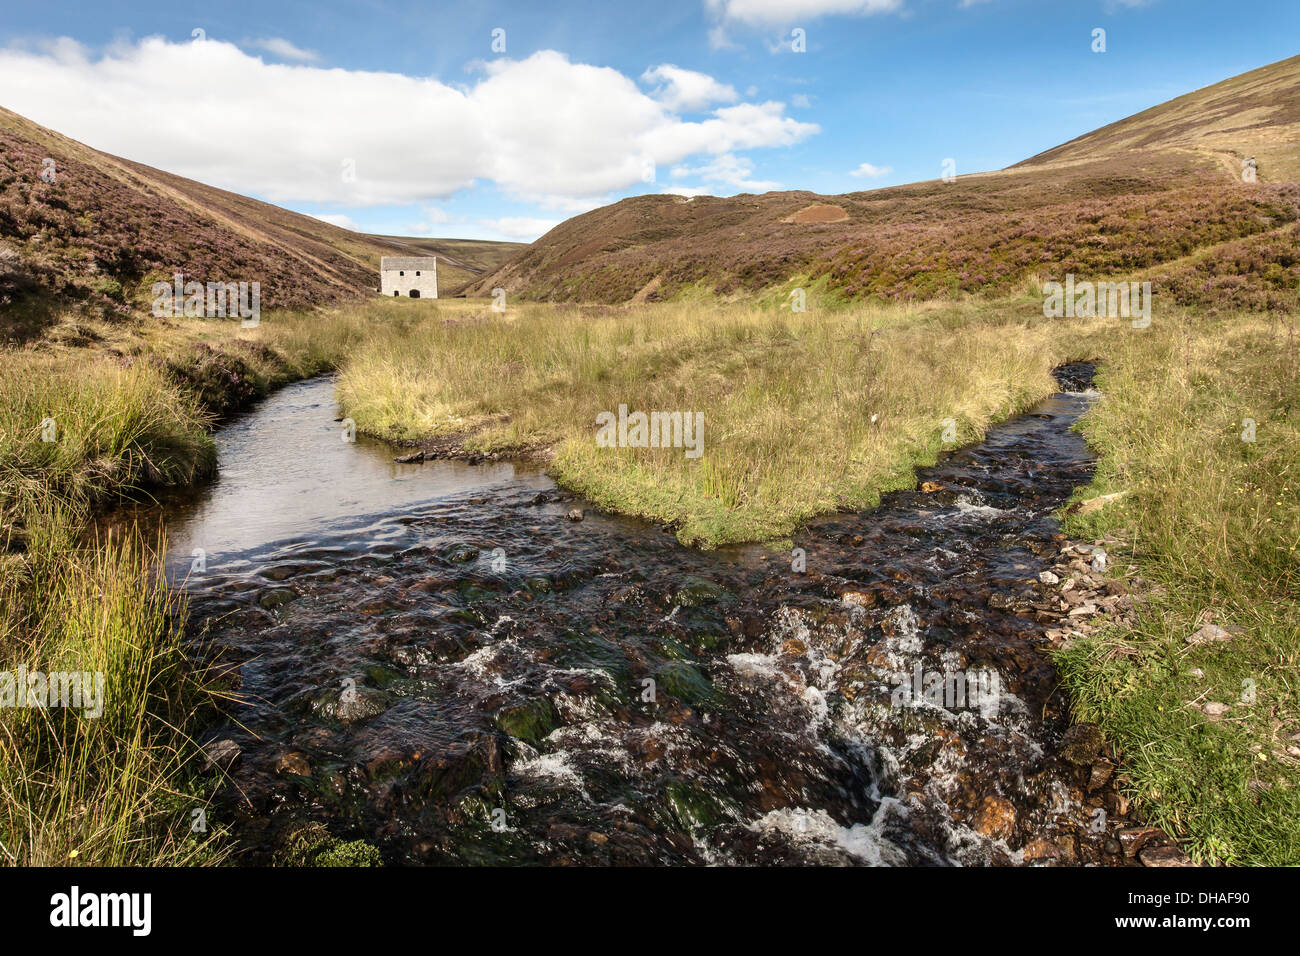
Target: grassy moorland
[74, 787]
[1212, 520]
[93, 411]
[804, 413]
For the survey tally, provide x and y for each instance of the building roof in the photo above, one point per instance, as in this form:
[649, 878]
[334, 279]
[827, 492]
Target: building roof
[388, 263]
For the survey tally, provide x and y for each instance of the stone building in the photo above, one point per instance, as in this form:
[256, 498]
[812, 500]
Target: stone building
[414, 276]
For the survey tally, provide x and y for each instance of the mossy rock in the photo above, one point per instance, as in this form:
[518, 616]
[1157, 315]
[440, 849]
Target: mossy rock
[593, 651]
[310, 844]
[674, 649]
[382, 676]
[530, 722]
[685, 682]
[693, 807]
[273, 598]
[461, 553]
[697, 592]
[473, 592]
[350, 705]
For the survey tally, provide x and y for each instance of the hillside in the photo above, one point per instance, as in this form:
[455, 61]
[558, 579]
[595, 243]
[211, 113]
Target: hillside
[1255, 114]
[106, 228]
[1158, 193]
[473, 256]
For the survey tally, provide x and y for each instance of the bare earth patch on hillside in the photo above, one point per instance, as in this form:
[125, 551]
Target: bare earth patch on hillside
[818, 212]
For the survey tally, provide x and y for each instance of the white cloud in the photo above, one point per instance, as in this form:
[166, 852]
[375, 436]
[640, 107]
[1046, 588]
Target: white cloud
[285, 50]
[337, 219]
[685, 90]
[434, 217]
[690, 192]
[520, 227]
[868, 171]
[788, 12]
[801, 101]
[731, 170]
[543, 129]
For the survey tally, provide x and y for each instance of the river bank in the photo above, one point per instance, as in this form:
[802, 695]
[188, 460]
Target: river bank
[480, 694]
[1128, 694]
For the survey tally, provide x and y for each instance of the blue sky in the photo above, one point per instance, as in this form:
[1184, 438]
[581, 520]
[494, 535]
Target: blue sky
[401, 117]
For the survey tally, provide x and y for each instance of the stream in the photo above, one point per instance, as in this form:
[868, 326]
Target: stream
[434, 658]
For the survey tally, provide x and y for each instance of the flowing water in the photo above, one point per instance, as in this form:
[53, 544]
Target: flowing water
[433, 658]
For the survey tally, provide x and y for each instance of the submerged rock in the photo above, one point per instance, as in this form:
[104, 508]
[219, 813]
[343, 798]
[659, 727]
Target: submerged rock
[221, 754]
[350, 704]
[697, 591]
[530, 722]
[273, 598]
[685, 682]
[294, 764]
[995, 818]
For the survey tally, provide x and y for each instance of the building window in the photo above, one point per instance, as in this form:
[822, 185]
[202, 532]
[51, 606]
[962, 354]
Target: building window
[417, 272]
[394, 292]
[401, 273]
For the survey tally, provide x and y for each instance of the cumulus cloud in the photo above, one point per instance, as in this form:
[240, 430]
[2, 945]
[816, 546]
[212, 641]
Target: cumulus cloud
[868, 171]
[279, 46]
[520, 227]
[787, 12]
[434, 218]
[685, 90]
[543, 129]
[730, 170]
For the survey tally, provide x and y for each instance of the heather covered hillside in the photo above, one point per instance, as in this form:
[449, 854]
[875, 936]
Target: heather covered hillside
[95, 231]
[1256, 114]
[1161, 193]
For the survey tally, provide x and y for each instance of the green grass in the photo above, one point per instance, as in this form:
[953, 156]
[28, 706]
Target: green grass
[118, 788]
[1214, 525]
[803, 413]
[1212, 522]
[79, 427]
[107, 790]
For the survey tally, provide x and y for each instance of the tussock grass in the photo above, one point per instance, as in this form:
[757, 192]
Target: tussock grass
[82, 427]
[133, 411]
[1214, 525]
[117, 788]
[803, 413]
[108, 789]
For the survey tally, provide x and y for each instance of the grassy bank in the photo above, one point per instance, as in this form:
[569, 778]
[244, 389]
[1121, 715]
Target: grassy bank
[86, 415]
[802, 413]
[107, 788]
[1214, 525]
